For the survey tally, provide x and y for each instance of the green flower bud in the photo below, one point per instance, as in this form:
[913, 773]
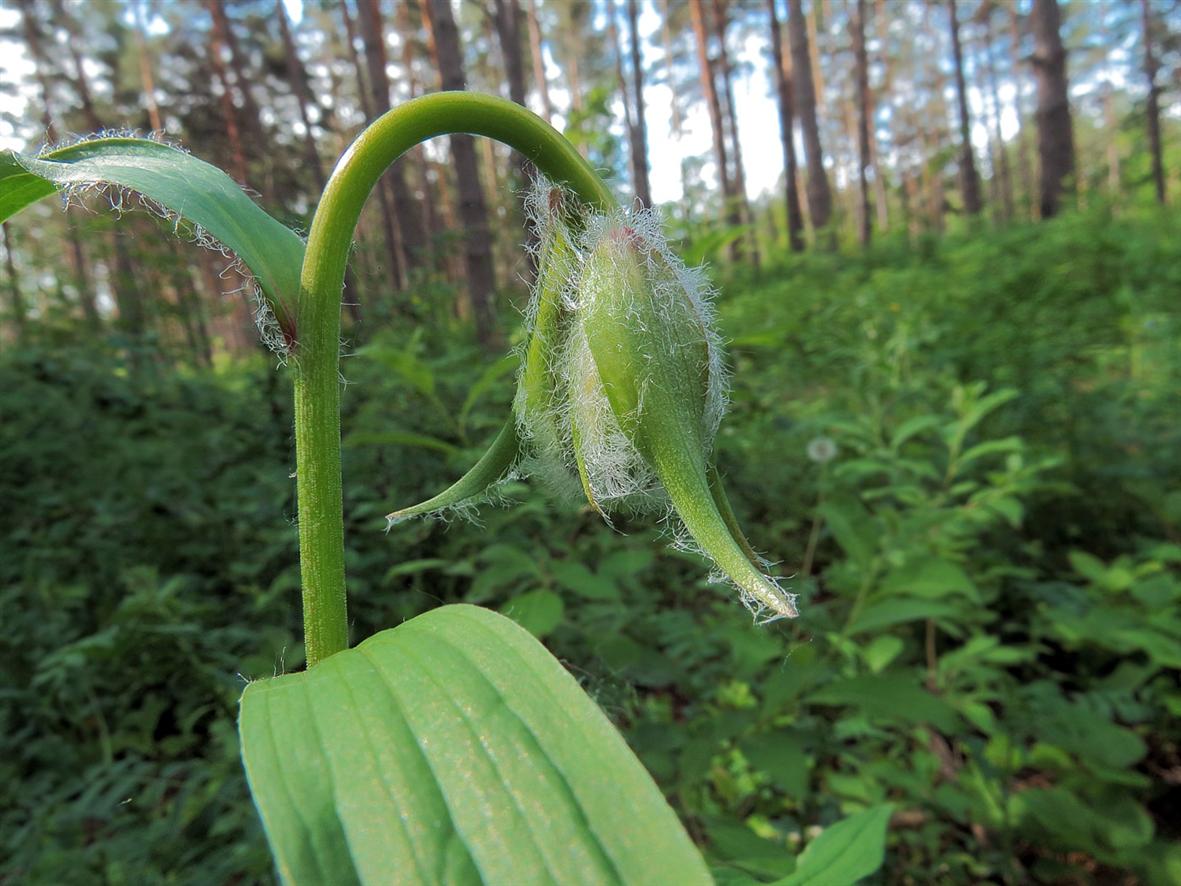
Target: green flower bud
[622, 387]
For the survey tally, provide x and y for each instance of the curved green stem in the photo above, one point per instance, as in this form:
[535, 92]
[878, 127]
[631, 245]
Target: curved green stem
[317, 384]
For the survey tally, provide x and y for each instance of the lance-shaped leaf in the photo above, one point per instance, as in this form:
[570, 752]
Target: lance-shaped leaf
[180, 185]
[534, 406]
[453, 749]
[492, 467]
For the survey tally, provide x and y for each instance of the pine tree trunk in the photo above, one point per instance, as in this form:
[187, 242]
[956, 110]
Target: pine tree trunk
[16, 300]
[400, 211]
[508, 31]
[127, 294]
[819, 194]
[1055, 139]
[880, 196]
[540, 80]
[1113, 159]
[621, 84]
[421, 167]
[1024, 165]
[78, 259]
[865, 228]
[221, 24]
[444, 39]
[677, 117]
[1005, 172]
[297, 80]
[969, 178]
[1152, 111]
[738, 177]
[639, 129]
[364, 93]
[709, 88]
[229, 110]
[791, 194]
[146, 78]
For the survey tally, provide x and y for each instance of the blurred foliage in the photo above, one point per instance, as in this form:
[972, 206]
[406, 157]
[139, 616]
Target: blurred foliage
[989, 567]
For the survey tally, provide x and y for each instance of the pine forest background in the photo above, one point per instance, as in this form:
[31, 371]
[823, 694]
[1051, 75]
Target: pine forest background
[953, 318]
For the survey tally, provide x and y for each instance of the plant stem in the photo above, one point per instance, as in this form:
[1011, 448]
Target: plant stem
[317, 383]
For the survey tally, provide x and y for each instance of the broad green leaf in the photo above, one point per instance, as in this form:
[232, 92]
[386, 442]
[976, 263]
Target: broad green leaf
[889, 696]
[885, 613]
[404, 363]
[783, 756]
[400, 438]
[844, 853]
[1073, 823]
[745, 851]
[928, 578]
[911, 428]
[853, 527]
[538, 612]
[487, 379]
[186, 187]
[452, 749]
[577, 578]
[883, 650]
[991, 447]
[1088, 566]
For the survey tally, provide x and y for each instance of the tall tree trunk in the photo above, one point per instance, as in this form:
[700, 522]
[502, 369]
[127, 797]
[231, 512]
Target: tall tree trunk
[621, 83]
[639, 129]
[221, 24]
[507, 19]
[444, 40]
[297, 80]
[403, 232]
[146, 78]
[738, 178]
[422, 164]
[1024, 165]
[865, 229]
[364, 93]
[819, 194]
[932, 181]
[508, 32]
[709, 88]
[1055, 140]
[229, 110]
[1153, 109]
[540, 80]
[571, 41]
[78, 258]
[1113, 158]
[677, 116]
[969, 179]
[127, 294]
[250, 122]
[16, 300]
[795, 218]
[1006, 174]
[880, 197]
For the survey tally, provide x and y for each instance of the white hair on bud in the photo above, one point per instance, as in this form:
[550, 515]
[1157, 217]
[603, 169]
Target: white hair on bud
[772, 603]
[618, 477]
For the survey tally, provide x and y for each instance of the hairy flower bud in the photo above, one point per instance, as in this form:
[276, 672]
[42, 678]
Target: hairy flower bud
[622, 387]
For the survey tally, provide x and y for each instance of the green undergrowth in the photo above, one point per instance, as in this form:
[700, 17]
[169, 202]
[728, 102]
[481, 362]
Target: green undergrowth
[989, 638]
